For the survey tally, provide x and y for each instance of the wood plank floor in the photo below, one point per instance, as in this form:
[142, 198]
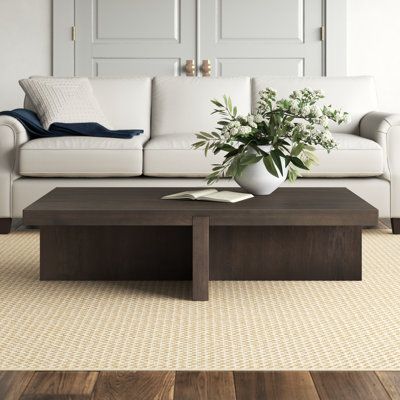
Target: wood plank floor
[202, 385]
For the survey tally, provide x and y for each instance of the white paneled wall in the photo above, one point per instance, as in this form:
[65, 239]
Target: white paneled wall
[374, 46]
[25, 46]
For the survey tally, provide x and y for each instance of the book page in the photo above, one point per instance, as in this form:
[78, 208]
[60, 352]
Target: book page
[226, 196]
[190, 194]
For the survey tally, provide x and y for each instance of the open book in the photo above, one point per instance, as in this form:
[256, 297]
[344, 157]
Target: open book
[210, 195]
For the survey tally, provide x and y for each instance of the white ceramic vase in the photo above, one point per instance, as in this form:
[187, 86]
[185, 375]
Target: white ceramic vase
[256, 179]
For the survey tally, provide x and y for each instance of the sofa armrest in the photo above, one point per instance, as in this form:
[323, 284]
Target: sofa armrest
[378, 122]
[12, 136]
[384, 128]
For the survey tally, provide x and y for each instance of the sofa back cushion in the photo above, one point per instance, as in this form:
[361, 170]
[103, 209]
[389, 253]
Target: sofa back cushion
[126, 102]
[356, 95]
[183, 106]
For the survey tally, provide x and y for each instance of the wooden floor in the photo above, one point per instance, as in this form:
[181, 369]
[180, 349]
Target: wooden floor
[200, 385]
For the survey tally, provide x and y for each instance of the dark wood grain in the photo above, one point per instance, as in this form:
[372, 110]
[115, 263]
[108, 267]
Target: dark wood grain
[130, 233]
[349, 386]
[13, 384]
[144, 206]
[200, 257]
[5, 225]
[285, 253]
[135, 385]
[210, 385]
[47, 385]
[395, 226]
[213, 385]
[165, 253]
[115, 253]
[391, 381]
[275, 386]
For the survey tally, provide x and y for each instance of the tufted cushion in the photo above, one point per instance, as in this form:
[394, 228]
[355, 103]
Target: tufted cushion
[64, 100]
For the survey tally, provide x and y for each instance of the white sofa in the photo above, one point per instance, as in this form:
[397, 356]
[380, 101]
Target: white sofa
[171, 110]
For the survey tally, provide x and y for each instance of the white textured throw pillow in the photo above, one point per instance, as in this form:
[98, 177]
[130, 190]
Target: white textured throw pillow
[66, 100]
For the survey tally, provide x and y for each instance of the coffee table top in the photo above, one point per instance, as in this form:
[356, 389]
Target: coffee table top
[143, 206]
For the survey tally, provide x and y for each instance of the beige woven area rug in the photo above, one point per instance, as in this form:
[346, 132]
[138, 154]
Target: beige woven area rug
[155, 325]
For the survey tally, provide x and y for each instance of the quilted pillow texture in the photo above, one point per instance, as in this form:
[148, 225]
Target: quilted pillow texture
[68, 100]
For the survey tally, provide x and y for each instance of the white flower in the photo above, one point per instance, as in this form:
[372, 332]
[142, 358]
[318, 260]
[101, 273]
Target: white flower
[244, 130]
[305, 111]
[234, 131]
[294, 109]
[316, 111]
[324, 121]
[297, 94]
[347, 118]
[258, 118]
[302, 126]
[319, 92]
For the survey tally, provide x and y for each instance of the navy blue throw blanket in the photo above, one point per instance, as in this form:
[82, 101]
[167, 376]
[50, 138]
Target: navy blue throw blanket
[35, 130]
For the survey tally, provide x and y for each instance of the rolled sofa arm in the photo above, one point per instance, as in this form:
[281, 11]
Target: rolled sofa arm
[384, 128]
[12, 136]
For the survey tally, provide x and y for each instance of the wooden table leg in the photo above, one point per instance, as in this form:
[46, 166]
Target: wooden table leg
[200, 258]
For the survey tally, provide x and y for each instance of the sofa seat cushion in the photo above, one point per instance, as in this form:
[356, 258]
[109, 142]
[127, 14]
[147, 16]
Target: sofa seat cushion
[172, 156]
[73, 156]
[355, 156]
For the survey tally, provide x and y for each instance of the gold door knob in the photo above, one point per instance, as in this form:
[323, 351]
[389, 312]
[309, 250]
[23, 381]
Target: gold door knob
[190, 68]
[206, 67]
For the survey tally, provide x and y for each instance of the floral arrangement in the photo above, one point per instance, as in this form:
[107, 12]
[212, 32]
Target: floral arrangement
[282, 133]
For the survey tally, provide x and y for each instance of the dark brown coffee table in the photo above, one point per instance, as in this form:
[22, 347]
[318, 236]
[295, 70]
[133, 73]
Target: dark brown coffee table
[131, 234]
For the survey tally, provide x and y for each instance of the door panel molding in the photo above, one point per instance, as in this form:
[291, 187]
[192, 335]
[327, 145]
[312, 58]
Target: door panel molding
[160, 47]
[123, 66]
[282, 39]
[268, 37]
[256, 66]
[172, 28]
[184, 42]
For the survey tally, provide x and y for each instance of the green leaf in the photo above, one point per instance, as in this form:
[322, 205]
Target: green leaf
[234, 111]
[297, 162]
[269, 164]
[225, 147]
[217, 103]
[248, 159]
[277, 161]
[229, 104]
[297, 149]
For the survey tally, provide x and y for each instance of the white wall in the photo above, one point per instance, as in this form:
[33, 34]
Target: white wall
[374, 46]
[25, 46]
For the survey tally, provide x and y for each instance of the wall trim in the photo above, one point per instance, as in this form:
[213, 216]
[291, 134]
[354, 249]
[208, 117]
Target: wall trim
[63, 45]
[336, 37]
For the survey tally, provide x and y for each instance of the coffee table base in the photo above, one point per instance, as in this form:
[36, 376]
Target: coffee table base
[200, 253]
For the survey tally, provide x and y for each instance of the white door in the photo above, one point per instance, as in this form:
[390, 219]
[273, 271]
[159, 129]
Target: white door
[239, 37]
[134, 37]
[262, 37]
